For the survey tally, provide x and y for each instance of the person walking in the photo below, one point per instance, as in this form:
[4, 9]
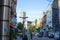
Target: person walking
[31, 35]
[25, 37]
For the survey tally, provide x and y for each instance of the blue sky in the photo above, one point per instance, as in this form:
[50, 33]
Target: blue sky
[33, 8]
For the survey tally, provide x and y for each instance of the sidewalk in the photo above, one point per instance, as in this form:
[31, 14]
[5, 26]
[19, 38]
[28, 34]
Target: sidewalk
[18, 37]
[41, 38]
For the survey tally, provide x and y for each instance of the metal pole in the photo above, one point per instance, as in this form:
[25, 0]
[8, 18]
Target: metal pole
[23, 24]
[23, 27]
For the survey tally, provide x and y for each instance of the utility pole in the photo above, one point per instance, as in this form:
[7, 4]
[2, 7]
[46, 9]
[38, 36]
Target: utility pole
[23, 24]
[5, 9]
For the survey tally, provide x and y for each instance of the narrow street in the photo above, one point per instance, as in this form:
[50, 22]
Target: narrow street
[35, 38]
[29, 19]
[41, 38]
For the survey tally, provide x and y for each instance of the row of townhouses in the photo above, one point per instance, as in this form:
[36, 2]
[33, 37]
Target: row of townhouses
[51, 17]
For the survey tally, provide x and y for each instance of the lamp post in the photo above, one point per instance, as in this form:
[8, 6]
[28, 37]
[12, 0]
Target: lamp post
[23, 23]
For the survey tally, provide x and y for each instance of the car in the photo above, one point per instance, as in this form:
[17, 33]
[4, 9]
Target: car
[40, 34]
[50, 34]
[36, 34]
[56, 35]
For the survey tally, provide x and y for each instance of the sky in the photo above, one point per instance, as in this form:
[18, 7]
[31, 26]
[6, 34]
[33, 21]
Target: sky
[34, 8]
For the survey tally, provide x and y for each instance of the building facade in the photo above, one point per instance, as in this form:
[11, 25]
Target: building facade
[49, 17]
[59, 11]
[5, 18]
[27, 24]
[55, 15]
[23, 14]
[39, 22]
[48, 23]
[52, 16]
[13, 16]
[13, 12]
[44, 20]
[5, 10]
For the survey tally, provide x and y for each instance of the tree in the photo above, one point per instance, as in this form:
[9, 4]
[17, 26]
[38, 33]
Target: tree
[31, 28]
[20, 26]
[38, 29]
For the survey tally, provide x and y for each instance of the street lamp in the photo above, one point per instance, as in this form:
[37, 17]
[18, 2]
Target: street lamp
[23, 23]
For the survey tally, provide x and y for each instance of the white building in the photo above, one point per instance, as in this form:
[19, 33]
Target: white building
[27, 23]
[49, 17]
[23, 14]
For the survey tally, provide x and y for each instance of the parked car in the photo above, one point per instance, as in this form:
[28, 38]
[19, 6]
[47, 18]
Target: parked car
[50, 34]
[36, 34]
[56, 36]
[40, 34]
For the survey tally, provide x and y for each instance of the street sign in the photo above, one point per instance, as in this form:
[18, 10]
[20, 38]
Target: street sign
[6, 29]
[14, 19]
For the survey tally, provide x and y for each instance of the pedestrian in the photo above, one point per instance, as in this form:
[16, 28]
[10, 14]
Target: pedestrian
[11, 34]
[31, 35]
[18, 37]
[25, 37]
